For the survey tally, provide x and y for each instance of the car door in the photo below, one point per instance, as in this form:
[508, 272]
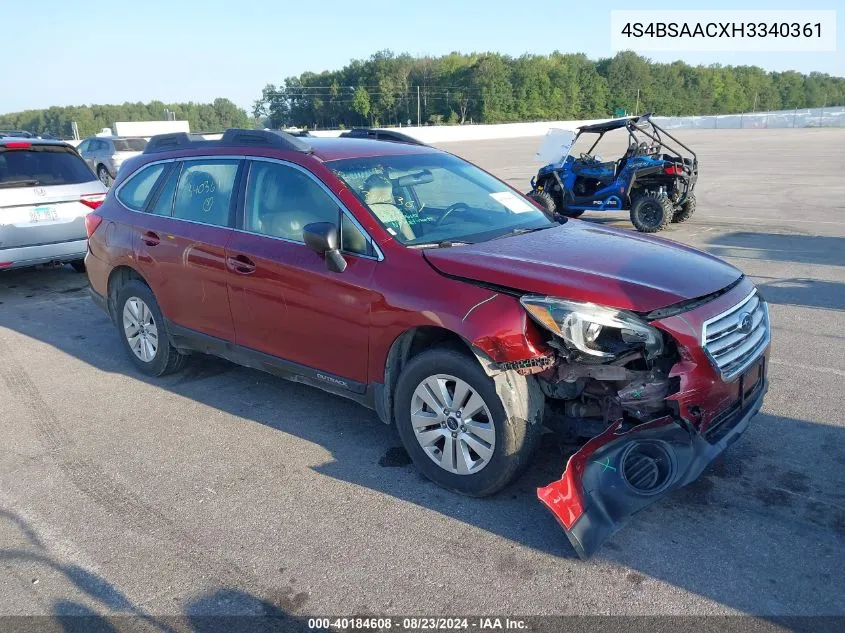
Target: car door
[285, 302]
[180, 244]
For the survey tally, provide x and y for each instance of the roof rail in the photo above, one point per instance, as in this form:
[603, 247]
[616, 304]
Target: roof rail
[378, 134]
[234, 137]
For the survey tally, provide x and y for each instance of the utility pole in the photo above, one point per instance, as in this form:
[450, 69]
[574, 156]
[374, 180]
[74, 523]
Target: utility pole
[637, 109]
[419, 124]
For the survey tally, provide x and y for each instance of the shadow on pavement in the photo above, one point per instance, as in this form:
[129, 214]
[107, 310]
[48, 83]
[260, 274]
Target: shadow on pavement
[801, 291]
[804, 249]
[102, 608]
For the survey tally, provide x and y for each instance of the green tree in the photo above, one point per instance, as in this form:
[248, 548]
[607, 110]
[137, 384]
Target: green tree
[361, 102]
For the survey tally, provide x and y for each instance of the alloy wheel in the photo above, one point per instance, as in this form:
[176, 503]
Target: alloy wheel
[140, 329]
[453, 424]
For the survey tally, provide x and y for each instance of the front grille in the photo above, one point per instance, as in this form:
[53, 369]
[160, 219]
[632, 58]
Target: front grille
[736, 338]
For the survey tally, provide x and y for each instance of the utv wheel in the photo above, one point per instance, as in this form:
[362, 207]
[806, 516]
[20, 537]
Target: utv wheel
[78, 265]
[104, 176]
[455, 427]
[545, 200]
[651, 212]
[143, 331]
[686, 210]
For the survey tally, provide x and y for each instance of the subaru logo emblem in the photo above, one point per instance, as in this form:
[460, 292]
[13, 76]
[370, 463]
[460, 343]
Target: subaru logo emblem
[39, 191]
[745, 322]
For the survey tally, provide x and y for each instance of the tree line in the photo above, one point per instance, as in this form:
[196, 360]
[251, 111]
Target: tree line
[389, 89]
[202, 117]
[457, 88]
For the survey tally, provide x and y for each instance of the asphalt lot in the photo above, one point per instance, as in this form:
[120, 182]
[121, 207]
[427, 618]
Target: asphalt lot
[224, 490]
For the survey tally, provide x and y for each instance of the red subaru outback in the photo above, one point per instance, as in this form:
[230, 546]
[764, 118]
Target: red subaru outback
[421, 286]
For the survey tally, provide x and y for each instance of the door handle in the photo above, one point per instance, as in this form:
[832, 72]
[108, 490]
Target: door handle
[241, 264]
[151, 238]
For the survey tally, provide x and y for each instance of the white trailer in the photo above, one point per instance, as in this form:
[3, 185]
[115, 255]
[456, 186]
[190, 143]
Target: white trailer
[147, 129]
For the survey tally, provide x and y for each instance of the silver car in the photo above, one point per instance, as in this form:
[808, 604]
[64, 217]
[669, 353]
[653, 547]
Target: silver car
[46, 190]
[105, 154]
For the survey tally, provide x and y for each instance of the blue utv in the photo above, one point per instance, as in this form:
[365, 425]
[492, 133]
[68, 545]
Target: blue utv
[652, 179]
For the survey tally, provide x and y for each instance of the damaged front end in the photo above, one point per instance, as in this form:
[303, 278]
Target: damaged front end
[654, 396]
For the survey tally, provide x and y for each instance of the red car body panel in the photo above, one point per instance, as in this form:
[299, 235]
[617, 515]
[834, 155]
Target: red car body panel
[289, 306]
[292, 307]
[186, 264]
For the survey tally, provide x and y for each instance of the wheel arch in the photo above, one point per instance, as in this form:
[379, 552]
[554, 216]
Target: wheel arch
[119, 276]
[406, 346]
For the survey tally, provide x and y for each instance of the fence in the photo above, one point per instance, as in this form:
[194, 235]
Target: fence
[810, 117]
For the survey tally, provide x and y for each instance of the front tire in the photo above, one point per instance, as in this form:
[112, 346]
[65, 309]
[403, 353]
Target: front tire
[651, 212]
[546, 202]
[455, 427]
[686, 210]
[143, 331]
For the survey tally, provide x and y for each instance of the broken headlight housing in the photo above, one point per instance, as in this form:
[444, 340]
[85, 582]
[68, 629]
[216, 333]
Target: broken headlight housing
[592, 329]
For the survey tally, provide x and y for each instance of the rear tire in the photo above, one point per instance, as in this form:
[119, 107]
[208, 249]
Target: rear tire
[143, 331]
[686, 210]
[511, 438]
[78, 265]
[651, 212]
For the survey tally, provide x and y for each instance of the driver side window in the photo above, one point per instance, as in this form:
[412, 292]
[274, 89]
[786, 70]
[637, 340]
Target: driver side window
[281, 200]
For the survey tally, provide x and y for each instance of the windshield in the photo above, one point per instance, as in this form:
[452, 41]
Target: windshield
[425, 199]
[129, 144]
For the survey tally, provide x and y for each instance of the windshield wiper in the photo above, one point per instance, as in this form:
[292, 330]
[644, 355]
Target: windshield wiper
[520, 231]
[440, 244]
[19, 183]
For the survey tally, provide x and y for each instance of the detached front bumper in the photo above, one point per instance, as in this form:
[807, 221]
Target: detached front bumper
[620, 472]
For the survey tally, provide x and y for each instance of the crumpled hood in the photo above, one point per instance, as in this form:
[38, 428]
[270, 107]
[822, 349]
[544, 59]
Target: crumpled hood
[587, 262]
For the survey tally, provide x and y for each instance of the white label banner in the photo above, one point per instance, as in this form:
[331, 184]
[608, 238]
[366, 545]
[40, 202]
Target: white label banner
[724, 30]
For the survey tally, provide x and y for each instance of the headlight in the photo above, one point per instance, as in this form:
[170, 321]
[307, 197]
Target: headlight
[592, 329]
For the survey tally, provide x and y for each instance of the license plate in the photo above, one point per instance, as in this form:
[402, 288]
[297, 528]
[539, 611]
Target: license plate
[43, 214]
[749, 382]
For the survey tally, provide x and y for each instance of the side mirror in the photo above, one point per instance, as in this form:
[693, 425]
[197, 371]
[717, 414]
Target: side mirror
[323, 239]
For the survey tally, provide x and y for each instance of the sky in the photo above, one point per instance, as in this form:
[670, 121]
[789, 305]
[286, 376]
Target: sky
[70, 52]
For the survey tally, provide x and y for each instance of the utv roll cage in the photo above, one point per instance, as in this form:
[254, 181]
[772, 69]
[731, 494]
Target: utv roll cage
[642, 124]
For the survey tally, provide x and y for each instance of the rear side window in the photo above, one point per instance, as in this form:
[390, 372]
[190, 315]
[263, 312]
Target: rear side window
[163, 204]
[44, 166]
[204, 193]
[136, 190]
